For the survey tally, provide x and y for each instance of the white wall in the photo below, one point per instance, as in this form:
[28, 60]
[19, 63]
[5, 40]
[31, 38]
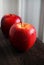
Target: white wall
[33, 13]
[41, 24]
[43, 21]
[22, 9]
[29, 10]
[1, 10]
[10, 6]
[43, 34]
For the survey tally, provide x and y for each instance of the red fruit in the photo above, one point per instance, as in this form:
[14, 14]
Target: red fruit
[22, 36]
[7, 21]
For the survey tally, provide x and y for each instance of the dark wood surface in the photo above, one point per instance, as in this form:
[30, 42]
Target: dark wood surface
[8, 55]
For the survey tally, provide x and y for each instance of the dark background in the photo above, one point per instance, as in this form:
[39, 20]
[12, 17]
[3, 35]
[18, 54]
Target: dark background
[9, 56]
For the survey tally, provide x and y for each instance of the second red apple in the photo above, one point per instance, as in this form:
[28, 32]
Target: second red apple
[22, 36]
[7, 21]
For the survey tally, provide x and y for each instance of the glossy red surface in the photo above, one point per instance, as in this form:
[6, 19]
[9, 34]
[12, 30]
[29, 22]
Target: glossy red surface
[22, 36]
[7, 21]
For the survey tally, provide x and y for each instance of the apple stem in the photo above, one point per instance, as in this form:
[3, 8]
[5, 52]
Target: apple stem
[11, 14]
[21, 24]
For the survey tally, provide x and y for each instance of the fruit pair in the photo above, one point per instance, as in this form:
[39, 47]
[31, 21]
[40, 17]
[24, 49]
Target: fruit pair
[22, 35]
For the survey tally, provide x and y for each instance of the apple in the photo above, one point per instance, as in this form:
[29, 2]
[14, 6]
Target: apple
[7, 21]
[22, 36]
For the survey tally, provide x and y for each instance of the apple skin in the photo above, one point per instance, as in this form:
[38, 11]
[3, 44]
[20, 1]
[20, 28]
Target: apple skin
[7, 21]
[22, 37]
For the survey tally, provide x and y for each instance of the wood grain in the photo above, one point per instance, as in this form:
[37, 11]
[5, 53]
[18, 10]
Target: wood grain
[9, 56]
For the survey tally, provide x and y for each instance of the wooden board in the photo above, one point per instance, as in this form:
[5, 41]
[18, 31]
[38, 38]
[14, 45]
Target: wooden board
[8, 55]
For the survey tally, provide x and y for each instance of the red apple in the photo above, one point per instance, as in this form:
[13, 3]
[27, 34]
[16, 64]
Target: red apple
[7, 21]
[22, 36]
